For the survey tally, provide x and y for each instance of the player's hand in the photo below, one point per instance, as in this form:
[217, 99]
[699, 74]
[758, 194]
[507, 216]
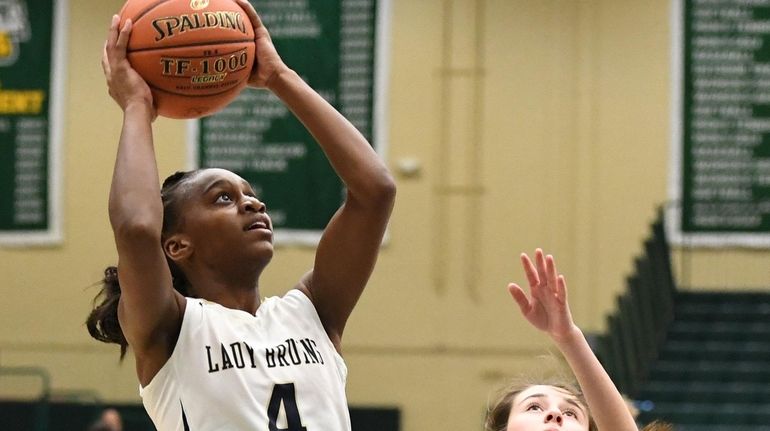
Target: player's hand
[125, 85]
[546, 308]
[268, 63]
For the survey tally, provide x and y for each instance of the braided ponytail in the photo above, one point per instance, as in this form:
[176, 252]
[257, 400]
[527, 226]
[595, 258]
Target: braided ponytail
[102, 322]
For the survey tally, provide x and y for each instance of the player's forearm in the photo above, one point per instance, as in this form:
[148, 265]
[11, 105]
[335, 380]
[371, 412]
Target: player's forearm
[352, 157]
[607, 406]
[134, 193]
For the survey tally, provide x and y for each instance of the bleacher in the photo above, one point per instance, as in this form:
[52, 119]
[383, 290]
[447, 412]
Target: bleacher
[700, 360]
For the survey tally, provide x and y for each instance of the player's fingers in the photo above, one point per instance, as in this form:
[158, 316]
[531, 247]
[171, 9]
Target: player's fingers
[105, 61]
[112, 34]
[111, 31]
[529, 269]
[520, 297]
[122, 41]
[540, 264]
[249, 9]
[550, 273]
[256, 21]
[561, 289]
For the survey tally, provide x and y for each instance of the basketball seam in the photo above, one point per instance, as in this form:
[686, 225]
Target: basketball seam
[204, 43]
[235, 50]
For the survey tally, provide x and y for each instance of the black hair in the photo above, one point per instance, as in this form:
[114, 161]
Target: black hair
[102, 322]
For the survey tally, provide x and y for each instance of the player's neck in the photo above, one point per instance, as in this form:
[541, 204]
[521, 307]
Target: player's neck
[240, 299]
[236, 290]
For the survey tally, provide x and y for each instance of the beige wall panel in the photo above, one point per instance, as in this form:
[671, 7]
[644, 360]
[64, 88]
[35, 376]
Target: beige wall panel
[530, 110]
[631, 96]
[462, 16]
[733, 269]
[88, 370]
[460, 143]
[447, 391]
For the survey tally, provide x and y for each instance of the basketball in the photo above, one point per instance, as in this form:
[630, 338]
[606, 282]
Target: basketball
[196, 55]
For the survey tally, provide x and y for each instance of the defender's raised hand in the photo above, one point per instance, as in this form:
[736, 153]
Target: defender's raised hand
[546, 308]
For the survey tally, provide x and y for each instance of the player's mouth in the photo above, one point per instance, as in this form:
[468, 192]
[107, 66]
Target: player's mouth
[259, 224]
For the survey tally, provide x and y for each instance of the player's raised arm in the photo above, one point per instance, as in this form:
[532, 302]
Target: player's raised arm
[148, 308]
[547, 309]
[350, 243]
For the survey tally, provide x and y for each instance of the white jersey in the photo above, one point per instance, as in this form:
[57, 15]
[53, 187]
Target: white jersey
[230, 370]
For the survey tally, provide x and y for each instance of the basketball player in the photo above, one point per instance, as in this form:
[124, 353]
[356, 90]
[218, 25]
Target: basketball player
[534, 406]
[210, 353]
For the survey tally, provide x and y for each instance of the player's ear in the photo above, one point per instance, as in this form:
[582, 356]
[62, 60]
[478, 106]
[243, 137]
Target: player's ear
[177, 247]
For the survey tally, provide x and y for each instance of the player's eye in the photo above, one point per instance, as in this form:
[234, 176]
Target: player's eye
[534, 407]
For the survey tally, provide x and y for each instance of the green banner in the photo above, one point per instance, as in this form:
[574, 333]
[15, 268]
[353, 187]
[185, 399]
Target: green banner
[724, 141]
[27, 138]
[331, 44]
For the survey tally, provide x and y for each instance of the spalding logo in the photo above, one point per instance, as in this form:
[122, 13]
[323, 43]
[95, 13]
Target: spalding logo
[198, 4]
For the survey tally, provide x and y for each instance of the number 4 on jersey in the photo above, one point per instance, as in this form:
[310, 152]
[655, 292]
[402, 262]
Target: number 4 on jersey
[284, 394]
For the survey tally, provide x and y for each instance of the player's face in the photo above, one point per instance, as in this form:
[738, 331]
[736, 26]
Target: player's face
[547, 408]
[225, 220]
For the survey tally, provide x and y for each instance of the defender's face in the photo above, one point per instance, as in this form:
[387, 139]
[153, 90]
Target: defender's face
[547, 408]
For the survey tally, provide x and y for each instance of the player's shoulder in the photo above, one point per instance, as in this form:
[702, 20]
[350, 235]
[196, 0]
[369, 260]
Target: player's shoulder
[296, 297]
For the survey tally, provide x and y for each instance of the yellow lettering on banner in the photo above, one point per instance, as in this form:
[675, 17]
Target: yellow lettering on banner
[6, 45]
[21, 102]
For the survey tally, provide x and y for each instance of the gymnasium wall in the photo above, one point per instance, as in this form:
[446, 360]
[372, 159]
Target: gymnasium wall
[537, 123]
